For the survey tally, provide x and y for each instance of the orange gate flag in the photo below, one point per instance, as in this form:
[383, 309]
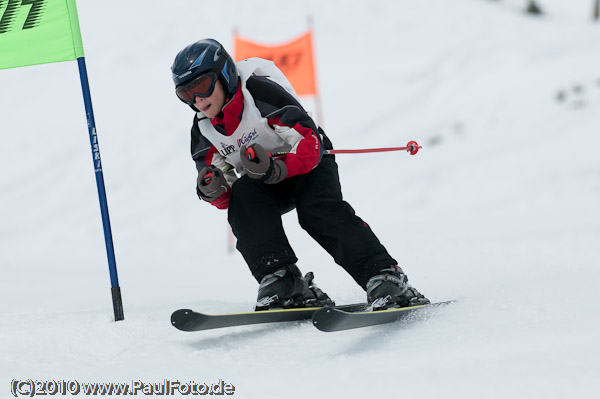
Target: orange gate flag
[295, 59]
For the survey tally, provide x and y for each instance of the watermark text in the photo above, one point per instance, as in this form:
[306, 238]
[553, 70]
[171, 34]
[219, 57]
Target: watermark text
[31, 388]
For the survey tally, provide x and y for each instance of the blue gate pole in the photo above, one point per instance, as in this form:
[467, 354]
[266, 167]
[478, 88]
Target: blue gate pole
[110, 251]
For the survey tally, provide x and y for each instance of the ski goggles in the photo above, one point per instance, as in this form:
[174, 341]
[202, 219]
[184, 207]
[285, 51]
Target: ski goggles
[202, 86]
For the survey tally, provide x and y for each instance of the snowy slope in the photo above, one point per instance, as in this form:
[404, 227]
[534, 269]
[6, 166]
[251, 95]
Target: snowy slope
[499, 209]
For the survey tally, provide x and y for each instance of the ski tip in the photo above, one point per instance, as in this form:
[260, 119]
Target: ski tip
[322, 318]
[178, 315]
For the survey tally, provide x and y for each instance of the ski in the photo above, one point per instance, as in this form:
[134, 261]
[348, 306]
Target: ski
[188, 320]
[330, 319]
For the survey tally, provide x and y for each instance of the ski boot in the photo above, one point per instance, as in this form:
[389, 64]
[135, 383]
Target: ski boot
[390, 289]
[285, 288]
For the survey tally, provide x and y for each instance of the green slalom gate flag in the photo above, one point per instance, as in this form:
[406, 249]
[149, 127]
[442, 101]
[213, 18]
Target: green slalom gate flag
[38, 32]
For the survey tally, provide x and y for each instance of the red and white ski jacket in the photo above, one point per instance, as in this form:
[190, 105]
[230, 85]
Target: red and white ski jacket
[263, 112]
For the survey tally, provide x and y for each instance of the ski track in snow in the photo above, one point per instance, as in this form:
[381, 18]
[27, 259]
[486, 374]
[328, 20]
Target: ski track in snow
[498, 210]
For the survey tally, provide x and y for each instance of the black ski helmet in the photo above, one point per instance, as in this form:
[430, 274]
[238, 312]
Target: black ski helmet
[201, 57]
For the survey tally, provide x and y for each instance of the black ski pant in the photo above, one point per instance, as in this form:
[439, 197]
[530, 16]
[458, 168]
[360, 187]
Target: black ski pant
[255, 210]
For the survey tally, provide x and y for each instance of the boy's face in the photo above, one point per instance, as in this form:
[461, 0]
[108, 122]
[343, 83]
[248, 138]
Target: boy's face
[211, 106]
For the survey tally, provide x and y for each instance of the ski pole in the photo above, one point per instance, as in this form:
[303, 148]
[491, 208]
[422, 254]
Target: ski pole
[412, 147]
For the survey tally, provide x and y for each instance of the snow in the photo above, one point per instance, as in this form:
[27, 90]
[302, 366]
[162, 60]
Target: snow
[498, 210]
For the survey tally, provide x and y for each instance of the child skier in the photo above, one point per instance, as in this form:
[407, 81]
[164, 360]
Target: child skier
[248, 119]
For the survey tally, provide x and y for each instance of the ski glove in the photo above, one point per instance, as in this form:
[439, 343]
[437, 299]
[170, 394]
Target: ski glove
[258, 164]
[211, 183]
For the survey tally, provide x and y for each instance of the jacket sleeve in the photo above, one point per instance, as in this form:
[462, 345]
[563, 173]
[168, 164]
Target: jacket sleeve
[289, 119]
[205, 154]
